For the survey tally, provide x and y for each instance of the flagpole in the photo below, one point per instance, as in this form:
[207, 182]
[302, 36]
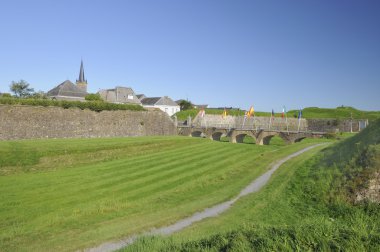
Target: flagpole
[299, 119]
[270, 122]
[286, 121]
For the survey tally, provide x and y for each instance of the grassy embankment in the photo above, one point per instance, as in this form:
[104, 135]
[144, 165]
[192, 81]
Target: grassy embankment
[307, 206]
[312, 112]
[69, 194]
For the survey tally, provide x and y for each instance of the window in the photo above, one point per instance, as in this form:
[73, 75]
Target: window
[130, 97]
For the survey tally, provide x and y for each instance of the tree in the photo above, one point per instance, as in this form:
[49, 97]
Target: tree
[185, 105]
[21, 88]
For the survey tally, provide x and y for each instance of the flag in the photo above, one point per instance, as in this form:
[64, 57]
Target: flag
[251, 112]
[283, 111]
[202, 113]
[300, 114]
[272, 113]
[224, 113]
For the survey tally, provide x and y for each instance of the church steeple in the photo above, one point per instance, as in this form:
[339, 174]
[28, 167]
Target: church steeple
[82, 82]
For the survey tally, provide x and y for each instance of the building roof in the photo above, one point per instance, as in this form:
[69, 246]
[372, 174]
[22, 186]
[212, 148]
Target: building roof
[67, 88]
[150, 100]
[141, 96]
[165, 100]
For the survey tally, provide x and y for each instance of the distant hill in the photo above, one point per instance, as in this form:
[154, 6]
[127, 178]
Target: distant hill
[339, 112]
[311, 112]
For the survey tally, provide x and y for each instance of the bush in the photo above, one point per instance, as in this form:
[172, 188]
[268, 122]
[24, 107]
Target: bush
[91, 105]
[93, 97]
[330, 135]
[7, 95]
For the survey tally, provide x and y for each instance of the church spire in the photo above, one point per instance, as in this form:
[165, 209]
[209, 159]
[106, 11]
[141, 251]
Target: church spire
[81, 73]
[82, 82]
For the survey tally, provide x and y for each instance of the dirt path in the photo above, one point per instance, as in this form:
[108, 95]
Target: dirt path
[255, 186]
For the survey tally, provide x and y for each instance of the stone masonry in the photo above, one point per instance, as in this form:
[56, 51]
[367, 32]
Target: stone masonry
[28, 122]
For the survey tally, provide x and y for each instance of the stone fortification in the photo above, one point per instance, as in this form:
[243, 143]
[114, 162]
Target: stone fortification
[336, 125]
[257, 122]
[27, 122]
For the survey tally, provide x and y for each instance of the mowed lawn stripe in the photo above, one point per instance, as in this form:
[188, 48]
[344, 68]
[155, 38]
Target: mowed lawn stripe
[162, 188]
[75, 186]
[48, 194]
[21, 182]
[74, 197]
[70, 203]
[169, 177]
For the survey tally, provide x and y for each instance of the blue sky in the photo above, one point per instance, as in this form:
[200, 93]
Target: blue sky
[222, 53]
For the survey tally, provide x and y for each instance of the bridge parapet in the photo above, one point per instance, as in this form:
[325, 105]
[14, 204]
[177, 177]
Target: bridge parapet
[236, 135]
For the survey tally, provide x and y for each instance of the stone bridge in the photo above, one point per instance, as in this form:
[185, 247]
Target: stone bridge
[261, 136]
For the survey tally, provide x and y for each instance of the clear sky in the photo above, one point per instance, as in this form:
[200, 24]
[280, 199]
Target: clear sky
[266, 53]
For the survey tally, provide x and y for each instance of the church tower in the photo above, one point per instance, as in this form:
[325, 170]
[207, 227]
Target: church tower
[82, 82]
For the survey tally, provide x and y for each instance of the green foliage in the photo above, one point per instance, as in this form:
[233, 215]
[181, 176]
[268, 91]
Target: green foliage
[93, 97]
[185, 105]
[6, 95]
[91, 105]
[21, 88]
[330, 135]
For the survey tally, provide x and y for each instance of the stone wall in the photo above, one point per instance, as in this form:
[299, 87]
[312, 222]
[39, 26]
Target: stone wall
[27, 122]
[336, 125]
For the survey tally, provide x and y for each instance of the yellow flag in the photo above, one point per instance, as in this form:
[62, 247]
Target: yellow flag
[251, 112]
[224, 113]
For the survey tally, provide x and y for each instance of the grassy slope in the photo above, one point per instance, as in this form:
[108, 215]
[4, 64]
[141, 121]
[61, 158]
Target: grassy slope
[312, 112]
[300, 209]
[68, 194]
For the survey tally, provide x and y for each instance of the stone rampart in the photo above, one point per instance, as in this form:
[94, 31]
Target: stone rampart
[336, 125]
[28, 122]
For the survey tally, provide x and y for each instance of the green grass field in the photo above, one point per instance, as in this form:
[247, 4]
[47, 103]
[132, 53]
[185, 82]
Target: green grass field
[312, 112]
[306, 206]
[69, 194]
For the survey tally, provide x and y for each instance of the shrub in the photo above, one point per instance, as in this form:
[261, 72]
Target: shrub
[8, 95]
[91, 105]
[93, 97]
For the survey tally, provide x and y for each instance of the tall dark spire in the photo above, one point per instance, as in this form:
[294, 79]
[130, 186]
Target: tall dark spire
[81, 73]
[82, 82]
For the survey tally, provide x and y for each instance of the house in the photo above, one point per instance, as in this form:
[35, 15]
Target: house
[163, 103]
[141, 96]
[120, 95]
[70, 91]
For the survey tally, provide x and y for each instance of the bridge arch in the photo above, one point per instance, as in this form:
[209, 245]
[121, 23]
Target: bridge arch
[217, 135]
[240, 137]
[297, 140]
[197, 133]
[264, 137]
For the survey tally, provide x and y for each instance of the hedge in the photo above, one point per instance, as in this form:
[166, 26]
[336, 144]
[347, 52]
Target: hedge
[91, 105]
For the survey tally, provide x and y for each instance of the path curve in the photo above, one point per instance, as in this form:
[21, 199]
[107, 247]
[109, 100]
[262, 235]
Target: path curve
[255, 186]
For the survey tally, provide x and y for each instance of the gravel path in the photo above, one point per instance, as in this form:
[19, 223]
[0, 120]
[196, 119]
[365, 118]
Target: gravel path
[255, 186]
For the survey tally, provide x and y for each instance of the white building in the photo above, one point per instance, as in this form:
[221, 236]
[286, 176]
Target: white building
[164, 103]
